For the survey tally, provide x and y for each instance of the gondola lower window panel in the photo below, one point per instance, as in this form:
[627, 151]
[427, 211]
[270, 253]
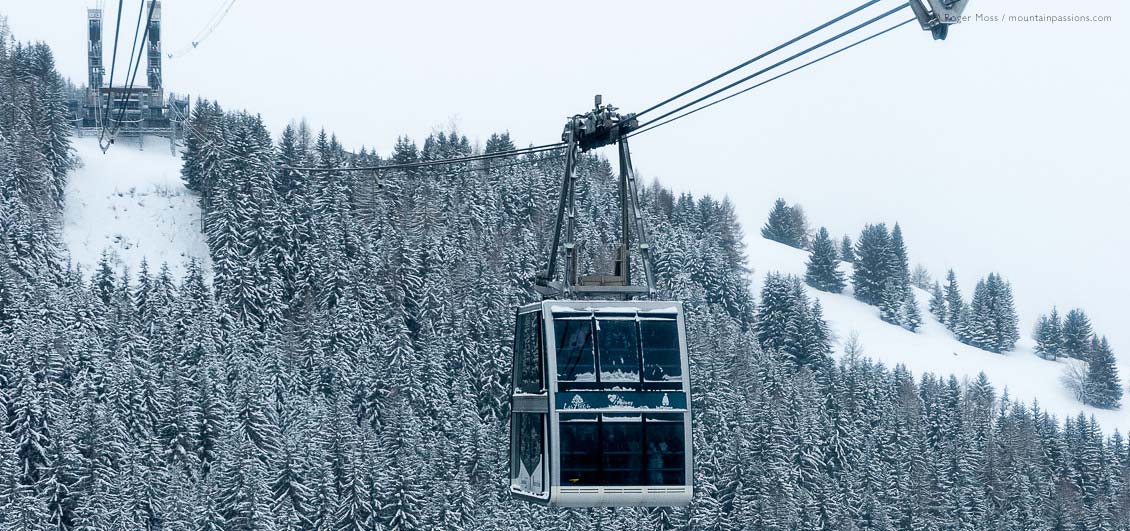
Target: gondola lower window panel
[528, 472]
[622, 449]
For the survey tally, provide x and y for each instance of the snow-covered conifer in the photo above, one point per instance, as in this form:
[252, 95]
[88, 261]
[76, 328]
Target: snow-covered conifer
[1076, 334]
[938, 306]
[955, 304]
[872, 265]
[823, 273]
[1048, 336]
[1104, 388]
[847, 249]
[786, 224]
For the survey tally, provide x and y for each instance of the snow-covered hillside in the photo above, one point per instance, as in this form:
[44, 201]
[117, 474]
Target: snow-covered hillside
[133, 204]
[933, 348]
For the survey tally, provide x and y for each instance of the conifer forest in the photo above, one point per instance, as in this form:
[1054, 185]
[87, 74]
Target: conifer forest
[344, 362]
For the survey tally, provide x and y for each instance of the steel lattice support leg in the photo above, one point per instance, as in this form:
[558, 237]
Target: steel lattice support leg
[632, 215]
[566, 216]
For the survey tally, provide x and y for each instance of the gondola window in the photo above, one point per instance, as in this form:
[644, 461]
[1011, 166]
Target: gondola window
[661, 350]
[666, 452]
[622, 449]
[580, 465]
[618, 345]
[575, 361]
[527, 473]
[529, 371]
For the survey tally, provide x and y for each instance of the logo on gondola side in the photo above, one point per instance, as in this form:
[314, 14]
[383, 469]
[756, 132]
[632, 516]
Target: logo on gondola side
[619, 401]
[577, 403]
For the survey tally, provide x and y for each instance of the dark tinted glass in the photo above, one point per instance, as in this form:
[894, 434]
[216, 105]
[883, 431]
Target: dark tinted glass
[622, 449]
[575, 361]
[619, 449]
[580, 450]
[666, 457]
[527, 464]
[661, 350]
[619, 350]
[527, 354]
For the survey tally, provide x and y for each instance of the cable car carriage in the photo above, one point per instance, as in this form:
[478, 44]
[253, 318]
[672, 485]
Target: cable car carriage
[600, 409]
[600, 403]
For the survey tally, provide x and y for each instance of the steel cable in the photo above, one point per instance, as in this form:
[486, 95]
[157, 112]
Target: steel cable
[778, 63]
[763, 55]
[747, 89]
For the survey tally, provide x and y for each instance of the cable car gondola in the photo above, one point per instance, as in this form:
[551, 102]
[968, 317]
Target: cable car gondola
[600, 409]
[600, 403]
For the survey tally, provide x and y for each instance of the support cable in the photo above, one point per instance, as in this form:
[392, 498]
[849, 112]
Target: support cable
[777, 64]
[653, 125]
[133, 47]
[763, 55]
[132, 79]
[204, 32]
[113, 65]
[453, 173]
[209, 142]
[441, 162]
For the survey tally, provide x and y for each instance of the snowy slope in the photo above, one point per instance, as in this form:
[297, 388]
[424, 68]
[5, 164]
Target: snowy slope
[933, 348]
[133, 204]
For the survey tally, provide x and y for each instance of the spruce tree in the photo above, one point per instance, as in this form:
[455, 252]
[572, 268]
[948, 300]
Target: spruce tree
[891, 303]
[781, 225]
[1076, 334]
[872, 266]
[818, 340]
[799, 225]
[847, 250]
[1006, 322]
[991, 322]
[955, 305]
[900, 261]
[777, 308]
[975, 327]
[822, 272]
[103, 281]
[8, 301]
[9, 467]
[938, 307]
[910, 317]
[1104, 388]
[1048, 336]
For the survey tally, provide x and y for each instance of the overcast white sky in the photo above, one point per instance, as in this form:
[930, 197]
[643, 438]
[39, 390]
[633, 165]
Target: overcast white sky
[1001, 148]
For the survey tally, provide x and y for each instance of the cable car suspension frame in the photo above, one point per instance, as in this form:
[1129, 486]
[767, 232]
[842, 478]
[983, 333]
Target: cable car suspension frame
[602, 126]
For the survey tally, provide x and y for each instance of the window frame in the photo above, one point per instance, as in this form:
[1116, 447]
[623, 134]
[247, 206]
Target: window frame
[598, 356]
[678, 347]
[597, 383]
[557, 319]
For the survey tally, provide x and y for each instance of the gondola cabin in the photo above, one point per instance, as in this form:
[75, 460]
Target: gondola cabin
[600, 404]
